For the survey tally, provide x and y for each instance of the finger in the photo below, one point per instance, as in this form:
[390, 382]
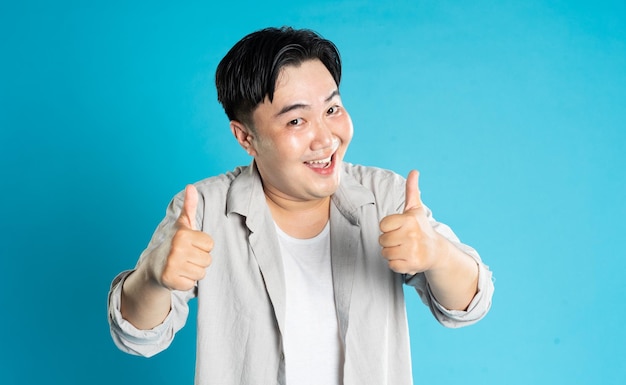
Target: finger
[393, 253]
[178, 281]
[202, 242]
[390, 223]
[401, 266]
[190, 206]
[194, 271]
[390, 239]
[187, 240]
[413, 198]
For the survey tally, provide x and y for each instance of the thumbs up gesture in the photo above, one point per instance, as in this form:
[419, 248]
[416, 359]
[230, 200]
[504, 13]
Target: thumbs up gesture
[409, 242]
[189, 251]
[176, 264]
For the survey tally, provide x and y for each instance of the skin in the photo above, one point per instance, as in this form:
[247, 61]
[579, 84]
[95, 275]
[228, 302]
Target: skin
[298, 142]
[412, 246]
[175, 265]
[292, 137]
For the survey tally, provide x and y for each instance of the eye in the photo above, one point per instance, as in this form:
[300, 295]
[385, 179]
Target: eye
[295, 122]
[332, 110]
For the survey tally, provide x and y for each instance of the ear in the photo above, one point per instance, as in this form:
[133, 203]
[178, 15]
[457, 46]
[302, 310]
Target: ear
[243, 135]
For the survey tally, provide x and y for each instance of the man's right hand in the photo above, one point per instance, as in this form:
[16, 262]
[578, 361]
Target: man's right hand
[176, 265]
[189, 250]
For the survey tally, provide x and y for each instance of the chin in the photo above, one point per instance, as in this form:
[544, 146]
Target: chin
[329, 188]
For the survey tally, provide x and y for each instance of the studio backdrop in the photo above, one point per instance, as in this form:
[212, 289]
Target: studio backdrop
[513, 112]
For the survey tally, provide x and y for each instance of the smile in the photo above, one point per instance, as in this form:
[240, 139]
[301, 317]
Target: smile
[321, 163]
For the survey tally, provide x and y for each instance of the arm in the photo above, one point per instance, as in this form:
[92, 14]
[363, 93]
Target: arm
[412, 246]
[453, 277]
[174, 265]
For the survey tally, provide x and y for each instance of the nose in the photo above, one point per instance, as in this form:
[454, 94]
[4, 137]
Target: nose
[324, 137]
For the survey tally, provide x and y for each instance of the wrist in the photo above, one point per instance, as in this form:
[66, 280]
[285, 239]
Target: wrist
[443, 255]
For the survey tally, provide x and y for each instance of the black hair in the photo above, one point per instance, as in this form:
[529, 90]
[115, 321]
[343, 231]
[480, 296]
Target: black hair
[250, 69]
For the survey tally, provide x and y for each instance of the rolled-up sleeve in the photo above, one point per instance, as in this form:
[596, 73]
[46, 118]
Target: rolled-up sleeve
[477, 309]
[480, 304]
[145, 343]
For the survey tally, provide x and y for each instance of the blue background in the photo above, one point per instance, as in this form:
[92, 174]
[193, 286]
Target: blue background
[512, 111]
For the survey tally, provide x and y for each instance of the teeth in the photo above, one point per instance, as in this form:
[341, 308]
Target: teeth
[322, 161]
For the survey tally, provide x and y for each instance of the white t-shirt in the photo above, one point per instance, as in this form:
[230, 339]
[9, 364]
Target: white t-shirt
[311, 342]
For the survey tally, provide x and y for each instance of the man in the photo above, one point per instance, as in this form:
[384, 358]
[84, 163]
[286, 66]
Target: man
[297, 261]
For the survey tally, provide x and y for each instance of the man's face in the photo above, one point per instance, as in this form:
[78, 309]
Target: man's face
[301, 137]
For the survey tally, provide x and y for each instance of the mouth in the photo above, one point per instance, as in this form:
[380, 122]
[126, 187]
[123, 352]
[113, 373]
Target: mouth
[325, 165]
[321, 163]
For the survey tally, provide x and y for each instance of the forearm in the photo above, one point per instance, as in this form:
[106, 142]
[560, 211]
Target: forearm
[145, 303]
[454, 280]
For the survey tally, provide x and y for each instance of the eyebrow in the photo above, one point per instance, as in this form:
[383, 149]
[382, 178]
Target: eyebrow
[296, 106]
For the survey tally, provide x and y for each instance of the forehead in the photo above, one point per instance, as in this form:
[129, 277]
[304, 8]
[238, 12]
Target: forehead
[308, 79]
[298, 87]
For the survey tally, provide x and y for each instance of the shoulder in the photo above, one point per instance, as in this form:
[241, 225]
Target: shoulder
[364, 184]
[220, 182]
[375, 179]
[212, 191]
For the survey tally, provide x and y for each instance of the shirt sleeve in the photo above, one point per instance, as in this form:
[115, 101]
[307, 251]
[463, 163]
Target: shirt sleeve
[145, 343]
[480, 304]
[477, 309]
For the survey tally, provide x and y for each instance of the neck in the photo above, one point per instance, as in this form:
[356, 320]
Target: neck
[298, 219]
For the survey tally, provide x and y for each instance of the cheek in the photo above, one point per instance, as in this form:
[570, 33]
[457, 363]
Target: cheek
[279, 148]
[265, 146]
[347, 130]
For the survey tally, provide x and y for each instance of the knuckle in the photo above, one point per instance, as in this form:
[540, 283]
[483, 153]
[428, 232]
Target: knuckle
[176, 251]
[413, 234]
[179, 237]
[167, 279]
[168, 270]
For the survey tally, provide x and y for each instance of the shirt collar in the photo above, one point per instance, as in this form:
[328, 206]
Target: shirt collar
[246, 197]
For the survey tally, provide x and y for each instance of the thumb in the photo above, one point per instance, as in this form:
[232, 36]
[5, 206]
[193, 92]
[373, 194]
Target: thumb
[413, 198]
[190, 205]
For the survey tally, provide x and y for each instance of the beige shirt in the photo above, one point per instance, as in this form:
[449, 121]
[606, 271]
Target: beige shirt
[241, 301]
